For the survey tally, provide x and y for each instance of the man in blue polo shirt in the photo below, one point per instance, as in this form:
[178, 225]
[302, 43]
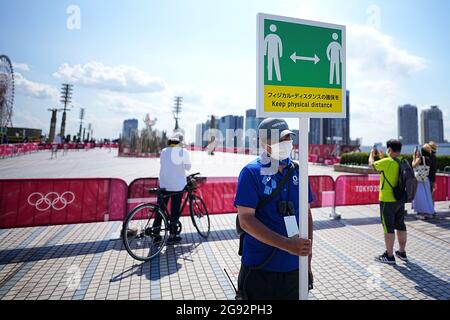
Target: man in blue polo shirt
[266, 227]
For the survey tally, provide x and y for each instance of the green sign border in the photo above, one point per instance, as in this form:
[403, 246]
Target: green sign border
[260, 59]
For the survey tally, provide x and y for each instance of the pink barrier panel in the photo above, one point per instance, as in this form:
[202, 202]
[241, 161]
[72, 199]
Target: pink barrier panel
[72, 146]
[219, 192]
[442, 188]
[357, 190]
[313, 158]
[17, 149]
[448, 187]
[37, 202]
[323, 151]
[322, 189]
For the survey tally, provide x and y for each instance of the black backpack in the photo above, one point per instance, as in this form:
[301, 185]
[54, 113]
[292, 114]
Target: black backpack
[406, 189]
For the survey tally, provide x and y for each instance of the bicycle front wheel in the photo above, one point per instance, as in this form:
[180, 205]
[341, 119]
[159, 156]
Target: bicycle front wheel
[145, 232]
[199, 216]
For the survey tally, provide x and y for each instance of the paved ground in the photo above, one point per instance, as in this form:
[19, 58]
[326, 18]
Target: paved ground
[104, 164]
[89, 262]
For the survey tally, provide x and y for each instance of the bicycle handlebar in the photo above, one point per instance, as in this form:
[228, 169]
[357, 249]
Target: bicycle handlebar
[193, 175]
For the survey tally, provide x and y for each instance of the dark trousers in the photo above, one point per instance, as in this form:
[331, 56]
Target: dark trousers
[175, 204]
[392, 216]
[268, 285]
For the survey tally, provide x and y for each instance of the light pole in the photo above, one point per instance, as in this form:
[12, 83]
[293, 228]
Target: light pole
[51, 135]
[82, 111]
[66, 98]
[89, 131]
[177, 111]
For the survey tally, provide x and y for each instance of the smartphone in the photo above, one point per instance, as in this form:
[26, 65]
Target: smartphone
[375, 148]
[416, 151]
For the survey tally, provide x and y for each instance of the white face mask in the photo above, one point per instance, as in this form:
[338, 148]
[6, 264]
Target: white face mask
[282, 150]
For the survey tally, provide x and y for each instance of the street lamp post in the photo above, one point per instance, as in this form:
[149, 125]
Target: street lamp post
[51, 135]
[66, 98]
[82, 111]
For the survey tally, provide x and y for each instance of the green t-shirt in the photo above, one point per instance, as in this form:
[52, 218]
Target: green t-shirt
[391, 172]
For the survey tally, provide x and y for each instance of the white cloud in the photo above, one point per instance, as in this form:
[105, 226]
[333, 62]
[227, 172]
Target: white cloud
[377, 74]
[21, 67]
[26, 120]
[34, 89]
[371, 50]
[124, 105]
[120, 78]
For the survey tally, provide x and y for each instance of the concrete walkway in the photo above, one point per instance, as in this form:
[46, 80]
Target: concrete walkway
[88, 261]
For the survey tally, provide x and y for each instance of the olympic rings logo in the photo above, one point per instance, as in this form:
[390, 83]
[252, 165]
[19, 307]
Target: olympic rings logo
[51, 200]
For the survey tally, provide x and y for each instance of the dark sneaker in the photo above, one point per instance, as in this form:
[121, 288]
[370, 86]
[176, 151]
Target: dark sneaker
[384, 258]
[173, 239]
[401, 255]
[153, 233]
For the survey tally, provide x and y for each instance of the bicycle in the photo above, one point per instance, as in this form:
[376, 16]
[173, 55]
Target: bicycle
[144, 239]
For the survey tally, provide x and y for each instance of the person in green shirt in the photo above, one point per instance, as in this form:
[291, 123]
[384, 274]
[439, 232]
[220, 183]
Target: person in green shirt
[392, 211]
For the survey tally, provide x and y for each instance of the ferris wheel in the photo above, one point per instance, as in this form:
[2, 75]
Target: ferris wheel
[6, 91]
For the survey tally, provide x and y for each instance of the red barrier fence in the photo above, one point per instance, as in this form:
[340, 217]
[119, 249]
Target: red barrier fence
[240, 150]
[322, 189]
[36, 202]
[218, 193]
[357, 190]
[9, 150]
[77, 146]
[448, 187]
[442, 191]
[363, 189]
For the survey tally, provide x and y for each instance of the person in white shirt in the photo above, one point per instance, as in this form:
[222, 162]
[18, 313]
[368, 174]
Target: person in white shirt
[175, 161]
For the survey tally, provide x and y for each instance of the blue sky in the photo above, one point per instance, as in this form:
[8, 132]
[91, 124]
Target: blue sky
[130, 58]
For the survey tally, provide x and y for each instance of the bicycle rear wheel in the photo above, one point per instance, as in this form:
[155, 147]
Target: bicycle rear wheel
[142, 237]
[199, 216]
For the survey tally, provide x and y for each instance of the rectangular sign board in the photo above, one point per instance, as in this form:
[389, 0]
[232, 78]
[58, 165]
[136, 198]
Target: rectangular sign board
[300, 68]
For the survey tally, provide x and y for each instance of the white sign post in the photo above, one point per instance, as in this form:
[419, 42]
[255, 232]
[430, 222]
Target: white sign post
[300, 74]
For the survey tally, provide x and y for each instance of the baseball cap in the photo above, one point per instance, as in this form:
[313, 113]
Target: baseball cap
[174, 138]
[271, 125]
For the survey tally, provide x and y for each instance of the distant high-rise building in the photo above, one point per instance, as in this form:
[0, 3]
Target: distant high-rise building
[251, 123]
[235, 127]
[199, 134]
[408, 128]
[331, 131]
[130, 126]
[432, 125]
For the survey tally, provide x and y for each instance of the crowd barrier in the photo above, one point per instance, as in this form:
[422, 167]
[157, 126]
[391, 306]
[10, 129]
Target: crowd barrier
[37, 202]
[16, 149]
[217, 193]
[77, 146]
[240, 150]
[363, 189]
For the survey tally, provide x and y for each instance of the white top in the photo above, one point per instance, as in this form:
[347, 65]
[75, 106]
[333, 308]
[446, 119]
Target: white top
[175, 161]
